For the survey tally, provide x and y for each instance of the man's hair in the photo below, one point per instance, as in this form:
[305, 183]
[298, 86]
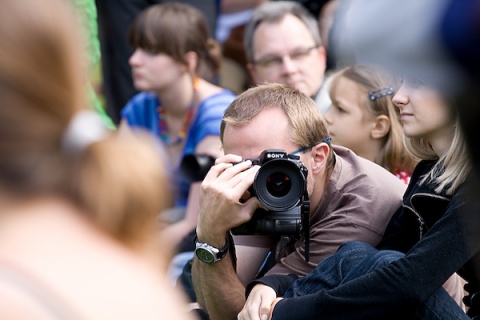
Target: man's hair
[275, 11]
[307, 126]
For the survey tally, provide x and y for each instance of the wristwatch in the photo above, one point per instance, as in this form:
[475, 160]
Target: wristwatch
[209, 254]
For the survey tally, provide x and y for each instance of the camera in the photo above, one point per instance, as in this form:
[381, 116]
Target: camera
[281, 186]
[194, 167]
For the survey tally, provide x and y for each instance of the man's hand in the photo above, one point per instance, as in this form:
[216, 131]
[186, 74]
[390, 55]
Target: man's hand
[221, 190]
[260, 304]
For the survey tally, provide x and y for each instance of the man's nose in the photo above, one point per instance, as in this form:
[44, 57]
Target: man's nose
[288, 65]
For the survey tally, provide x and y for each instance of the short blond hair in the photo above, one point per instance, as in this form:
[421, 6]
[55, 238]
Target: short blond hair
[308, 126]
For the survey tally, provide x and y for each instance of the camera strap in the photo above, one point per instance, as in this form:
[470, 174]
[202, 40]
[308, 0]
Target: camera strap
[306, 225]
[278, 251]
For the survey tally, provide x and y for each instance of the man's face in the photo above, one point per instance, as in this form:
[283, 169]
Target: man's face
[285, 52]
[268, 130]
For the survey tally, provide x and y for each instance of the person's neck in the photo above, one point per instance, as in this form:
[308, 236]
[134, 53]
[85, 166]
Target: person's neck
[441, 144]
[321, 183]
[372, 152]
[315, 95]
[177, 98]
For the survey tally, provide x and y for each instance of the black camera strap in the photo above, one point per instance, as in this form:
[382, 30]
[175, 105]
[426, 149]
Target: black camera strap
[280, 249]
[306, 225]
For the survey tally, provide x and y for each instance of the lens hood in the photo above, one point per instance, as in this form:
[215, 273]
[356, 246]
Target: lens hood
[279, 184]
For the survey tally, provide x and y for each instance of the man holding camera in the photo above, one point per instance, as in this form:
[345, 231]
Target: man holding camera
[346, 197]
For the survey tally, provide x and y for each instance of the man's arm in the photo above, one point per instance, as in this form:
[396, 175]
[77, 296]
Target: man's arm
[218, 287]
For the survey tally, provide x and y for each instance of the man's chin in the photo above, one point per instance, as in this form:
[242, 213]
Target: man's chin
[307, 91]
[303, 88]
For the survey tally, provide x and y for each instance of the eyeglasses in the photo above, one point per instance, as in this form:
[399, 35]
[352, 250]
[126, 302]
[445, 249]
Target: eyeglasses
[303, 149]
[273, 61]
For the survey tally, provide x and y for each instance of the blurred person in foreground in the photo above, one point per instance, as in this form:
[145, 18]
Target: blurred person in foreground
[78, 204]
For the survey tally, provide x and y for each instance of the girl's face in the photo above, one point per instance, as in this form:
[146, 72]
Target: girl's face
[423, 112]
[154, 71]
[348, 120]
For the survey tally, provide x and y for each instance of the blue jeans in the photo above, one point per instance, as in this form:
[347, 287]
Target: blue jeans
[355, 259]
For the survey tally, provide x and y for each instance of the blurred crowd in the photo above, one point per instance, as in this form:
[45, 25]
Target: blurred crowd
[364, 112]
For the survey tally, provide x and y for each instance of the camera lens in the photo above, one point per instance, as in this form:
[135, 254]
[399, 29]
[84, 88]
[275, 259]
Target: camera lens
[194, 167]
[278, 184]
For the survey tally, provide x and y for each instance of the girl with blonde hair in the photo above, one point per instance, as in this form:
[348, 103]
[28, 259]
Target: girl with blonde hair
[363, 118]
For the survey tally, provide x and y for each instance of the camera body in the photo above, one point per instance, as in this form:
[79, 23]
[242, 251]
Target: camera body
[281, 186]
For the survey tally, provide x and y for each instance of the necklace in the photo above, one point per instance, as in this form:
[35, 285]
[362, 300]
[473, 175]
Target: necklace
[183, 133]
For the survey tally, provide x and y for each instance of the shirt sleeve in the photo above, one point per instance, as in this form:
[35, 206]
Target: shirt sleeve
[210, 115]
[279, 283]
[141, 112]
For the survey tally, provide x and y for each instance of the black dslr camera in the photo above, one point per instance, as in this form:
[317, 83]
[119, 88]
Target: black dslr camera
[281, 186]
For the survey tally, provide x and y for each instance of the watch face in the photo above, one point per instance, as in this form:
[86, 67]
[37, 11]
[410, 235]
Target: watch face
[204, 255]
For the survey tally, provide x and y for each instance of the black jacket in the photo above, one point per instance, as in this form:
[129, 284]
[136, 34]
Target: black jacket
[439, 234]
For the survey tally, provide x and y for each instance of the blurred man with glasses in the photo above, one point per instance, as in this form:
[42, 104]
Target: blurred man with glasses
[282, 44]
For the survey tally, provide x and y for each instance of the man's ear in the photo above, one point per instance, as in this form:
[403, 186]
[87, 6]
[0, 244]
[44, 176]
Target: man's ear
[323, 54]
[319, 154]
[381, 127]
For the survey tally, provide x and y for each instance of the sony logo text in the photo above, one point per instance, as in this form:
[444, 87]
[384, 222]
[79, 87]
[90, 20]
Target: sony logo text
[274, 155]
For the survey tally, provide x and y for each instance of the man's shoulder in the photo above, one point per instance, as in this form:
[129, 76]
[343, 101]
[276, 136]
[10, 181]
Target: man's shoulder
[353, 164]
[362, 192]
[351, 167]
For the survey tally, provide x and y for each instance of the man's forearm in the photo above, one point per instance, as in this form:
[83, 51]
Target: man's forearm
[218, 288]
